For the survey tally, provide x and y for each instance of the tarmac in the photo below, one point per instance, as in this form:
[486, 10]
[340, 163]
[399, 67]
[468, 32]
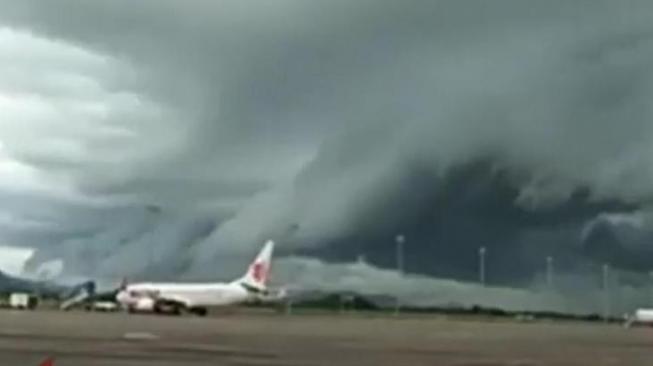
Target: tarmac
[117, 339]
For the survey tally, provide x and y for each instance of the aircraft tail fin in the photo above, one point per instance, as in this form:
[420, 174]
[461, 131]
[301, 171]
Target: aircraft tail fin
[258, 273]
[78, 294]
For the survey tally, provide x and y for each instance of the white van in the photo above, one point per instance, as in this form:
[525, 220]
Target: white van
[19, 300]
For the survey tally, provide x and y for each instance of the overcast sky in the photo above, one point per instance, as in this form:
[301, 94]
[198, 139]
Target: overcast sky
[170, 138]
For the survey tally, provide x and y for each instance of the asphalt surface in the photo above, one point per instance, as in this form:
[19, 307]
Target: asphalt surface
[88, 339]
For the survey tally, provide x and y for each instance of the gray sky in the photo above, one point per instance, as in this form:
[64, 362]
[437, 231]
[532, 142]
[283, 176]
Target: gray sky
[190, 131]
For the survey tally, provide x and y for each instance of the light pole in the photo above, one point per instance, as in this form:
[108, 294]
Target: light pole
[650, 275]
[606, 291]
[289, 307]
[482, 251]
[153, 211]
[549, 272]
[399, 240]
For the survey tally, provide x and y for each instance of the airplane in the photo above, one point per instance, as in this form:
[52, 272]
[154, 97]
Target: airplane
[195, 298]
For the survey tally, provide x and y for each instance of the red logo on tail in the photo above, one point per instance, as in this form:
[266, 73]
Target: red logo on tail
[47, 362]
[258, 272]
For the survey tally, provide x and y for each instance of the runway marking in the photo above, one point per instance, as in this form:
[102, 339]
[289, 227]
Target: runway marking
[9, 332]
[140, 336]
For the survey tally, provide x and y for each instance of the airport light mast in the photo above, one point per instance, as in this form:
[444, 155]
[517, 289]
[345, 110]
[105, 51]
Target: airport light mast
[650, 275]
[606, 292]
[549, 272]
[482, 251]
[399, 241]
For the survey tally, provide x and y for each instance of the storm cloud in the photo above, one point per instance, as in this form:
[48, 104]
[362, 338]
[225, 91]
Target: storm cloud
[169, 139]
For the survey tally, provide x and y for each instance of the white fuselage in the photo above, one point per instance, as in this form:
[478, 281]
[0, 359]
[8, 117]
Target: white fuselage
[188, 294]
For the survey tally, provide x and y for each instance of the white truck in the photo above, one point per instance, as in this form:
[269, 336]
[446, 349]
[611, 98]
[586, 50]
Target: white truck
[19, 300]
[108, 306]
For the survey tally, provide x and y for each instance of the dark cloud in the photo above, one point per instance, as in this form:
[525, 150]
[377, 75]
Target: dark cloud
[331, 127]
